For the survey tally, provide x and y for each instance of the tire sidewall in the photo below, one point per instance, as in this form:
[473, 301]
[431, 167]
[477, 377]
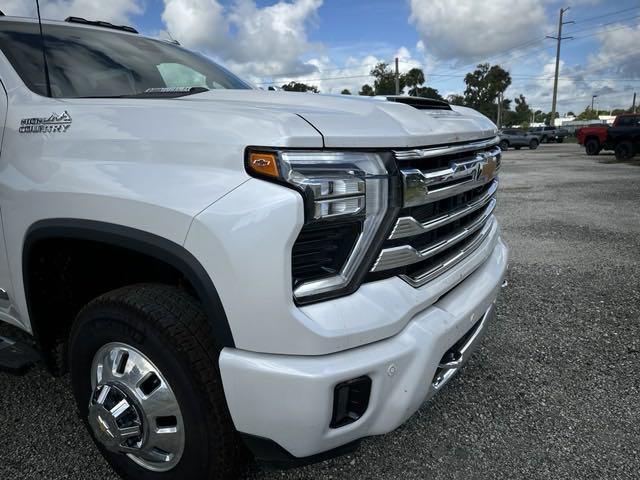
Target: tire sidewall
[96, 328]
[533, 144]
[624, 151]
[594, 150]
[504, 145]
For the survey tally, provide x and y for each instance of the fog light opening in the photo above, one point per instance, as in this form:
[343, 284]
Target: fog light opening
[350, 401]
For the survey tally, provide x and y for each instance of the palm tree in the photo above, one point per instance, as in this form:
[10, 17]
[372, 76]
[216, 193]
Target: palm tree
[414, 78]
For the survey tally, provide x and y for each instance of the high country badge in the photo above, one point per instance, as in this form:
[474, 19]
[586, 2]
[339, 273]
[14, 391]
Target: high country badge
[53, 124]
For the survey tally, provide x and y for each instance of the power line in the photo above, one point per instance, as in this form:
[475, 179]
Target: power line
[604, 15]
[593, 27]
[600, 32]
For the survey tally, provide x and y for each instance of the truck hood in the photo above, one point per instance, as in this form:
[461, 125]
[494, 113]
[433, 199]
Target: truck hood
[355, 121]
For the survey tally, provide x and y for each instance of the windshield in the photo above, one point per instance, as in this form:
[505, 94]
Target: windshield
[87, 62]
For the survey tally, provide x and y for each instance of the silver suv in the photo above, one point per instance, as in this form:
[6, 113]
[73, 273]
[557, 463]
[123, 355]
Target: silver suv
[517, 139]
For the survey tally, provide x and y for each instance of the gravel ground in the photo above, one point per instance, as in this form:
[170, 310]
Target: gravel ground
[554, 392]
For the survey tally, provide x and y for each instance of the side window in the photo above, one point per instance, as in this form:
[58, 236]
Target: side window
[626, 121]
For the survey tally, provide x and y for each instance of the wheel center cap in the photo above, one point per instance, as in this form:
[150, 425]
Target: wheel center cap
[103, 428]
[114, 420]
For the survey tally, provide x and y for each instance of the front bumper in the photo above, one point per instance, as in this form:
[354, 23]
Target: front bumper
[288, 399]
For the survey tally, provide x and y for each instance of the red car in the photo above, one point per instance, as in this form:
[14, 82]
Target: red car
[596, 138]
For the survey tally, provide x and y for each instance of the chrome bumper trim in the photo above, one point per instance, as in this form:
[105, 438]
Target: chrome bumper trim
[449, 369]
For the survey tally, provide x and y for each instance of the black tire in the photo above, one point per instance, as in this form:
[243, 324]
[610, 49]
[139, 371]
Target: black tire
[559, 140]
[518, 148]
[624, 151]
[170, 328]
[533, 144]
[504, 145]
[592, 147]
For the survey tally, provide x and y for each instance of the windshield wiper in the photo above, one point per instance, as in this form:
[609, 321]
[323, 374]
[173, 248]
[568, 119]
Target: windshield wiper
[160, 92]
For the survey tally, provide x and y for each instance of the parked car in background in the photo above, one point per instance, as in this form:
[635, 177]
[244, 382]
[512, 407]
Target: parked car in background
[517, 139]
[550, 134]
[624, 137]
[595, 138]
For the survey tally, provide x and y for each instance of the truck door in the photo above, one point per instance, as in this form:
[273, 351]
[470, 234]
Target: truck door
[5, 280]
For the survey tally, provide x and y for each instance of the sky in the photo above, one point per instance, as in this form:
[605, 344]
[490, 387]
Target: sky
[333, 44]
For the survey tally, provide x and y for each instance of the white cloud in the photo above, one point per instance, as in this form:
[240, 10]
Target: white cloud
[196, 23]
[619, 53]
[117, 11]
[470, 29]
[351, 76]
[251, 40]
[356, 70]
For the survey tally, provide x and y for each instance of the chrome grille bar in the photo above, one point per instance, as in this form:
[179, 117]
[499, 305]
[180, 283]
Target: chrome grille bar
[451, 260]
[409, 226]
[421, 187]
[403, 255]
[445, 150]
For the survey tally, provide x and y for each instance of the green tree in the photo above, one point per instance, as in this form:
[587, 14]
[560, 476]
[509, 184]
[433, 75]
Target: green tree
[588, 114]
[546, 117]
[414, 79]
[455, 99]
[522, 110]
[385, 79]
[483, 86]
[300, 87]
[428, 92]
[345, 92]
[367, 90]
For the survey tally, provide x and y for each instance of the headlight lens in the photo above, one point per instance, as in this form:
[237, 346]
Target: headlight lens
[346, 197]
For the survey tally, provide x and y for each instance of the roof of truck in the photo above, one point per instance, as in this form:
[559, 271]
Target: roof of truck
[71, 24]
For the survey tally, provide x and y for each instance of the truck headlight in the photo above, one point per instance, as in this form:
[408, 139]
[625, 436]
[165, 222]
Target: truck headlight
[346, 199]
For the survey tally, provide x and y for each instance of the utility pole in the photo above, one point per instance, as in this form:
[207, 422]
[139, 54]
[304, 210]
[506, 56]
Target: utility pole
[559, 39]
[593, 97]
[633, 105]
[499, 116]
[397, 78]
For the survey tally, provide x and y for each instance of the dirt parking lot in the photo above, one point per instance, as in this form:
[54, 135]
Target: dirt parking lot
[553, 393]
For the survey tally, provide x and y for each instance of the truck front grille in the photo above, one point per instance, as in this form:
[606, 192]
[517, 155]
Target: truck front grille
[447, 211]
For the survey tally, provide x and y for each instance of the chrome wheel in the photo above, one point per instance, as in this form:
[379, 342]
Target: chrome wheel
[133, 410]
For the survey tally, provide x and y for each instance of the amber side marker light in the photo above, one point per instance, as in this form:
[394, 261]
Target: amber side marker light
[264, 164]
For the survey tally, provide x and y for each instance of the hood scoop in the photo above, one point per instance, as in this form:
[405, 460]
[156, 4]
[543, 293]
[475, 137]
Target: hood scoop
[420, 103]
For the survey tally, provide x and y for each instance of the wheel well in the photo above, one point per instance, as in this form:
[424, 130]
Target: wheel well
[66, 267]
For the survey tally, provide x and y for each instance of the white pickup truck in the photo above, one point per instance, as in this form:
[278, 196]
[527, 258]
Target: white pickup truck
[223, 269]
